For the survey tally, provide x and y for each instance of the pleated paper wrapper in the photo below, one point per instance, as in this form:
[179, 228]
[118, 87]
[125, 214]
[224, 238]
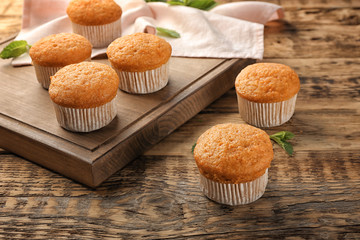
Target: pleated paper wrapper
[44, 73]
[85, 119]
[266, 114]
[144, 82]
[234, 194]
[100, 36]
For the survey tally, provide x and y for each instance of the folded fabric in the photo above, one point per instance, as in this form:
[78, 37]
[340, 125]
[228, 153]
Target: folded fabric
[232, 30]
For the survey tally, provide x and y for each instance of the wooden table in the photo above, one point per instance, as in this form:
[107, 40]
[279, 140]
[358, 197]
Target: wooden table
[313, 195]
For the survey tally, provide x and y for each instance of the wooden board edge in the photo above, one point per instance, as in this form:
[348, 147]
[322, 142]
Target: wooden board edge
[46, 156]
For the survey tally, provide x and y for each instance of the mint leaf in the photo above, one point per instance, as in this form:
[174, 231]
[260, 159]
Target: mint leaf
[281, 137]
[202, 4]
[287, 147]
[15, 49]
[285, 135]
[277, 140]
[193, 148]
[167, 32]
[174, 2]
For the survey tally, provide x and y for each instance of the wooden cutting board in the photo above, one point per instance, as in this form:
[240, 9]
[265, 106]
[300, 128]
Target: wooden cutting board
[28, 126]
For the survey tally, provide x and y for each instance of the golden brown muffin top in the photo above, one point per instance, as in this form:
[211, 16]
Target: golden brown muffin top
[138, 52]
[233, 153]
[267, 83]
[93, 12]
[84, 85]
[61, 49]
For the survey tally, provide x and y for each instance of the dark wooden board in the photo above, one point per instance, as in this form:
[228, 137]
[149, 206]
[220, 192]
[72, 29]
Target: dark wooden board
[28, 126]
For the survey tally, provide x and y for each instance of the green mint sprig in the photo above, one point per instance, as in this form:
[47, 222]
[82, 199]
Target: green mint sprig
[200, 4]
[15, 49]
[167, 32]
[281, 139]
[193, 148]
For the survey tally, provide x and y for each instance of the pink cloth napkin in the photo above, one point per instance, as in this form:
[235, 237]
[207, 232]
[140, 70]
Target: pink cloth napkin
[233, 30]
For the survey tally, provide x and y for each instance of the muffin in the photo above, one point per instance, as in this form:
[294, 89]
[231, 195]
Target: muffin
[142, 62]
[267, 93]
[53, 52]
[233, 161]
[83, 96]
[97, 20]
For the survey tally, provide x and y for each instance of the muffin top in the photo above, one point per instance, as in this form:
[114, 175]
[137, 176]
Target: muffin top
[61, 49]
[233, 153]
[93, 12]
[267, 83]
[84, 85]
[138, 52]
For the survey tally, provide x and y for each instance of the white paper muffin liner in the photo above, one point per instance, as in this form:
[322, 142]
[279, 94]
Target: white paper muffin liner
[100, 36]
[266, 114]
[144, 82]
[234, 194]
[43, 74]
[85, 119]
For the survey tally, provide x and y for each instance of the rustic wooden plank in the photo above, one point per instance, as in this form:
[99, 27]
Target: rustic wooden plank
[11, 8]
[284, 40]
[329, 4]
[8, 29]
[229, 1]
[298, 37]
[321, 199]
[323, 67]
[323, 16]
[10, 17]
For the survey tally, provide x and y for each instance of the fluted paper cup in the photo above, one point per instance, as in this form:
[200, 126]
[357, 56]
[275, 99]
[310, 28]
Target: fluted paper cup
[85, 119]
[100, 36]
[144, 82]
[266, 114]
[43, 74]
[234, 194]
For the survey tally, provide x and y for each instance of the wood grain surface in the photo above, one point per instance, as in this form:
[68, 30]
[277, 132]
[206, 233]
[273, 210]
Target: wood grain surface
[313, 195]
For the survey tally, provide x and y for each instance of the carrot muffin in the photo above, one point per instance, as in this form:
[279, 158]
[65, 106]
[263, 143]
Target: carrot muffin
[53, 52]
[233, 161]
[142, 62]
[97, 20]
[267, 93]
[84, 96]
